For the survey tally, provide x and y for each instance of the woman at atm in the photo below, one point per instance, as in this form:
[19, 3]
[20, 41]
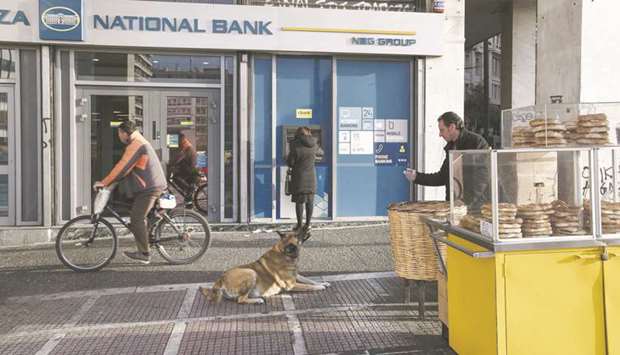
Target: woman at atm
[303, 152]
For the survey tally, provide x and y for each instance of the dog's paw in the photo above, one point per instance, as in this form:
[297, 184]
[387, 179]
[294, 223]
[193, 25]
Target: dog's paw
[324, 284]
[261, 300]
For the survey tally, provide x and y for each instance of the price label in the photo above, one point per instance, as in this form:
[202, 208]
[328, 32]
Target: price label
[486, 229]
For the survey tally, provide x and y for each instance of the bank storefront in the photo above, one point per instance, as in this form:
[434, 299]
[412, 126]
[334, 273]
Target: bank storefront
[235, 80]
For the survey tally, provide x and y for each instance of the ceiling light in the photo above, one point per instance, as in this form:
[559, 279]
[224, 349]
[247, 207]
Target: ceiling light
[95, 59]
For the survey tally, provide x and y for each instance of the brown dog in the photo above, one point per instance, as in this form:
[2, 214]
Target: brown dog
[273, 272]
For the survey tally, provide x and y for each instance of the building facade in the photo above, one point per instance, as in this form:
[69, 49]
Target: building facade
[235, 80]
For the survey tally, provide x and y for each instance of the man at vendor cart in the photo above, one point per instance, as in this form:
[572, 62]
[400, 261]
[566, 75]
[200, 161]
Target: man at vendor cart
[452, 130]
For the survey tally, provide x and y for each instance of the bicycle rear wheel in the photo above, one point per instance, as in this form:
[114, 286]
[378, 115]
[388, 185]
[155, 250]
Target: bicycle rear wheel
[86, 246]
[182, 236]
[201, 199]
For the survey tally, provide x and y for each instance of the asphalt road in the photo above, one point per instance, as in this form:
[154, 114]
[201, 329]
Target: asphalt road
[37, 270]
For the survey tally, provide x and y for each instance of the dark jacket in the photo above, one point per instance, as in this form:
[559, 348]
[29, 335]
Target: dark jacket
[302, 154]
[140, 165]
[476, 188]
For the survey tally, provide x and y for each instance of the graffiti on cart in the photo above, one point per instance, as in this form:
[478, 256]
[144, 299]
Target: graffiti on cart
[606, 189]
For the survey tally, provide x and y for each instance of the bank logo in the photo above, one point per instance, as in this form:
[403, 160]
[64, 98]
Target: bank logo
[60, 20]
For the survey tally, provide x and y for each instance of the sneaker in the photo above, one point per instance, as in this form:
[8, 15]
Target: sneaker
[141, 257]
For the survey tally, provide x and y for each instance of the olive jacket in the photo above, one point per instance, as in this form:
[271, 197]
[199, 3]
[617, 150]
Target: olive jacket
[302, 155]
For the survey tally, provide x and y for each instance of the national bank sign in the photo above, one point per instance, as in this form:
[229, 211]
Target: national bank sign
[60, 20]
[173, 24]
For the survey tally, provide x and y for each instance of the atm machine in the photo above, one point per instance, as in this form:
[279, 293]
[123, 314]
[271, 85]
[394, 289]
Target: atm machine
[321, 199]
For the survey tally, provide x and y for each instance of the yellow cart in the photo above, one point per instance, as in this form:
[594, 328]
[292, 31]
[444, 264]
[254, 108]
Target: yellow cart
[538, 273]
[535, 299]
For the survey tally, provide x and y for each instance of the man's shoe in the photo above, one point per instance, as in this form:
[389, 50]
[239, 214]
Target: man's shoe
[136, 255]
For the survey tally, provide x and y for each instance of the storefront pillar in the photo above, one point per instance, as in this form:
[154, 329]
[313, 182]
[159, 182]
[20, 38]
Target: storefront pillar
[244, 143]
[46, 134]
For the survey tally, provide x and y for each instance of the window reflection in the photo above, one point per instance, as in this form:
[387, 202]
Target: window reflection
[139, 67]
[8, 57]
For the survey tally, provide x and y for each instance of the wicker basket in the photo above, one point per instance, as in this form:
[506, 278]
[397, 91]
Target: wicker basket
[412, 248]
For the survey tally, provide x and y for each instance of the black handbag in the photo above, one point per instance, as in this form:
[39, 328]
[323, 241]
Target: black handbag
[287, 182]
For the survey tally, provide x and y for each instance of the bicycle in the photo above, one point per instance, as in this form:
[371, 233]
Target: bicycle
[89, 242]
[195, 195]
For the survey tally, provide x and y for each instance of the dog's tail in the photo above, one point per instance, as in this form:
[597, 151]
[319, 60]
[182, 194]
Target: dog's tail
[215, 293]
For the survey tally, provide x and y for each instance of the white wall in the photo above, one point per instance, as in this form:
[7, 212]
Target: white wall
[444, 89]
[523, 54]
[558, 63]
[600, 51]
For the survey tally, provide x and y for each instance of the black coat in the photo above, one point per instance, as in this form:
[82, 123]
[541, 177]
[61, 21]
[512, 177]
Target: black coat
[303, 151]
[476, 179]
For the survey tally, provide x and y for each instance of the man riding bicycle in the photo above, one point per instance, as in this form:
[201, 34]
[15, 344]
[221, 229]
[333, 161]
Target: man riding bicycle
[146, 181]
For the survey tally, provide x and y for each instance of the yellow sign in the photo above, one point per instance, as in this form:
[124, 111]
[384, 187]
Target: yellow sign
[115, 123]
[303, 113]
[187, 123]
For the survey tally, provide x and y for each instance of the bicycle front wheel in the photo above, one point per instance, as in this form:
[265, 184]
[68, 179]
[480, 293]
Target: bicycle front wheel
[201, 199]
[86, 245]
[182, 236]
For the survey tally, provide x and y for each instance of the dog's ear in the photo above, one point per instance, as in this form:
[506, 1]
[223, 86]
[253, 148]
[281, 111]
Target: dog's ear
[282, 234]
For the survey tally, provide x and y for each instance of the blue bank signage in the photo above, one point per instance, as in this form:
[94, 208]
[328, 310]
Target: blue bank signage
[9, 17]
[174, 24]
[185, 25]
[60, 20]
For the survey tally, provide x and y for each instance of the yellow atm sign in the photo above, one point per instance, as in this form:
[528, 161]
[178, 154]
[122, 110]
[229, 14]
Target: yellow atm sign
[303, 113]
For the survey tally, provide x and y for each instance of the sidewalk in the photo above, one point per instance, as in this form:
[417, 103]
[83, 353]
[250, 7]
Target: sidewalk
[358, 314]
[156, 309]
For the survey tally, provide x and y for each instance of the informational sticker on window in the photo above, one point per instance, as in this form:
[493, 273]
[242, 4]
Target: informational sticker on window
[344, 148]
[367, 125]
[350, 118]
[396, 131]
[379, 136]
[362, 142]
[486, 229]
[172, 140]
[344, 137]
[391, 154]
[368, 113]
[303, 113]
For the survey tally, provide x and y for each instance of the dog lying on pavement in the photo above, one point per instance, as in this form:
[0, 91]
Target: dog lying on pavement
[272, 273]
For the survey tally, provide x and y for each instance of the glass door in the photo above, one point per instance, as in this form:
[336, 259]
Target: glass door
[97, 142]
[7, 178]
[191, 146]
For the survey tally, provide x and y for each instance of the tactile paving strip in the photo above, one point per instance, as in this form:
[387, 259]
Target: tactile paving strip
[204, 308]
[265, 335]
[135, 307]
[363, 329]
[25, 317]
[128, 340]
[21, 345]
[351, 292]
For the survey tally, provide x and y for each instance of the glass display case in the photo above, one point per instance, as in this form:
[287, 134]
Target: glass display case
[561, 125]
[523, 196]
[607, 184]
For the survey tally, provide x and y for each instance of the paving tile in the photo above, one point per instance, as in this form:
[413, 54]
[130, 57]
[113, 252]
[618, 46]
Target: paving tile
[126, 340]
[350, 292]
[135, 307]
[204, 308]
[32, 316]
[265, 335]
[376, 328]
[21, 345]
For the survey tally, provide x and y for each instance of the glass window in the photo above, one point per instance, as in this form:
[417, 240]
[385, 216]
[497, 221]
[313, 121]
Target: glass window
[229, 168]
[8, 57]
[137, 67]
